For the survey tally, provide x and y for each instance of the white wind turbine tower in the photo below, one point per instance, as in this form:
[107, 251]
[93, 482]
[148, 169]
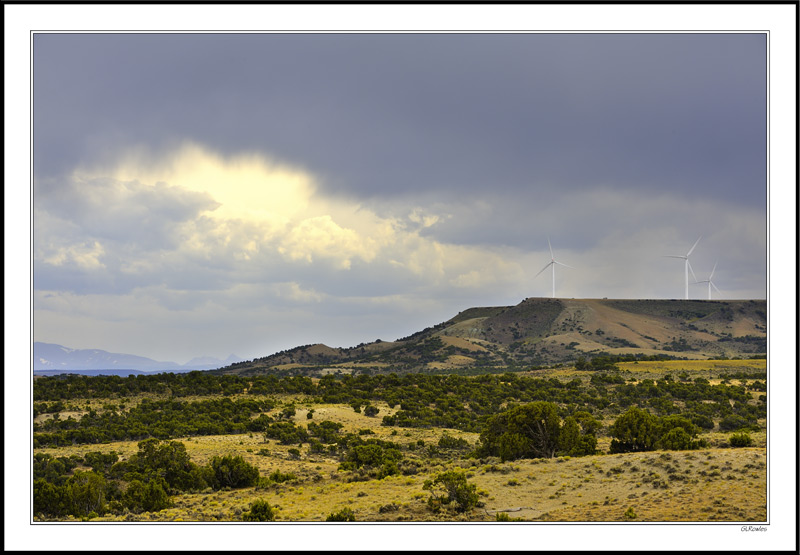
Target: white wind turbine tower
[688, 267]
[552, 264]
[711, 283]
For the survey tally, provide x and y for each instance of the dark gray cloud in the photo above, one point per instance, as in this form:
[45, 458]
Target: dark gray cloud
[384, 115]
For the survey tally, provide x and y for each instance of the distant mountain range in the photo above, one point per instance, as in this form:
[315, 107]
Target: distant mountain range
[50, 358]
[541, 332]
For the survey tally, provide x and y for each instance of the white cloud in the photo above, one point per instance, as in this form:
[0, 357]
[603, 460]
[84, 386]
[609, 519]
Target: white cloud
[85, 256]
[254, 255]
[322, 237]
[294, 292]
[167, 218]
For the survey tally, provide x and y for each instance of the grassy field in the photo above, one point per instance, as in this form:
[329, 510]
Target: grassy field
[695, 486]
[719, 483]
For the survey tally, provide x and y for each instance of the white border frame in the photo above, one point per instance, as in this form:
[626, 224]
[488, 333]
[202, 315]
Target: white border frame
[778, 19]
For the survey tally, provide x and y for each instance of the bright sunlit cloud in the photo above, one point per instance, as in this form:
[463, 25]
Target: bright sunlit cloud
[191, 228]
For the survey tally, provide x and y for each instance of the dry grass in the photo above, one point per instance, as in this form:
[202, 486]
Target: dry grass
[677, 366]
[712, 485]
[695, 486]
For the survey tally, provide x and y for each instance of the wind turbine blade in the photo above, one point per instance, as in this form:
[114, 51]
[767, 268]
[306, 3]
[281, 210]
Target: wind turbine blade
[562, 264]
[690, 269]
[551, 248]
[715, 287]
[673, 256]
[712, 271]
[543, 269]
[693, 246]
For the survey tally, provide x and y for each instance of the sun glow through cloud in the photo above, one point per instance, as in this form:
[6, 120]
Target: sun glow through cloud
[250, 208]
[247, 186]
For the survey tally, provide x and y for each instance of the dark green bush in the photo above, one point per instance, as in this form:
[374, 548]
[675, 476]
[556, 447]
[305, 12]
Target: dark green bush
[345, 515]
[232, 472]
[147, 497]
[260, 511]
[449, 442]
[734, 422]
[451, 489]
[741, 440]
[636, 430]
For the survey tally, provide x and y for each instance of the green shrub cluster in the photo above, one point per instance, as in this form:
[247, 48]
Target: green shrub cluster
[344, 515]
[535, 430]
[161, 419]
[143, 482]
[376, 457]
[260, 511]
[451, 489]
[741, 440]
[638, 430]
[449, 401]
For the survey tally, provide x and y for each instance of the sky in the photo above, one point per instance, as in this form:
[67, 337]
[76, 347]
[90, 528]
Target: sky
[216, 194]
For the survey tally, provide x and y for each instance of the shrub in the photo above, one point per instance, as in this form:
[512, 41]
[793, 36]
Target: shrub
[288, 413]
[451, 487]
[86, 493]
[503, 517]
[286, 433]
[577, 435]
[390, 508]
[50, 499]
[676, 439]
[741, 440]
[315, 446]
[371, 410]
[529, 431]
[636, 430]
[279, 477]
[345, 515]
[149, 497]
[232, 472]
[702, 420]
[449, 442]
[735, 422]
[260, 511]
[169, 460]
[326, 431]
[378, 457]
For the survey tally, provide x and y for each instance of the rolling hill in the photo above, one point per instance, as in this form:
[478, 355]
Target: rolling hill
[543, 331]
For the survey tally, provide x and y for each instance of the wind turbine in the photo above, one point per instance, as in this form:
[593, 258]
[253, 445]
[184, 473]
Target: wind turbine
[688, 267]
[711, 283]
[552, 264]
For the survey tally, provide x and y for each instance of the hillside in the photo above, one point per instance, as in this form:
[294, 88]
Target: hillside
[540, 332]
